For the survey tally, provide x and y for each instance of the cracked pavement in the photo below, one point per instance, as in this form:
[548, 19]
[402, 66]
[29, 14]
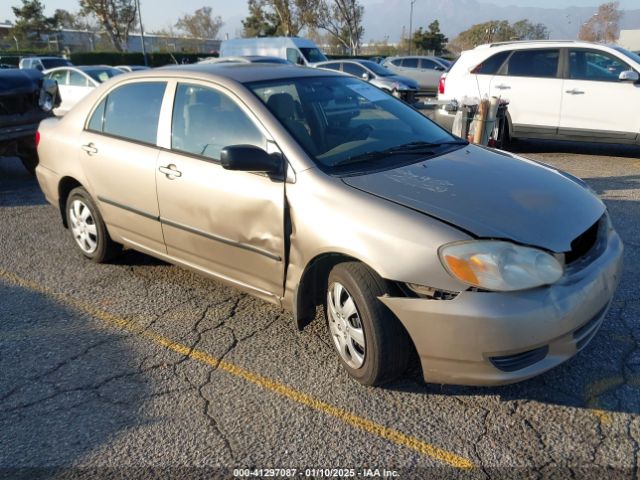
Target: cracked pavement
[82, 398]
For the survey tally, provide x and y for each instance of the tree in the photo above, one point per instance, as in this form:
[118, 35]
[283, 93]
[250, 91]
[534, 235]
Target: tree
[117, 17]
[202, 24]
[261, 21]
[604, 25]
[30, 20]
[431, 40]
[487, 32]
[342, 19]
[289, 14]
[525, 30]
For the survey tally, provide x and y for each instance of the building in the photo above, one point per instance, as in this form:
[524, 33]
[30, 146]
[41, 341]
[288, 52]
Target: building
[630, 39]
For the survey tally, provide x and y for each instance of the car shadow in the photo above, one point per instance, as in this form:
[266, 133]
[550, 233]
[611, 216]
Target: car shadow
[580, 148]
[17, 186]
[605, 375]
[62, 378]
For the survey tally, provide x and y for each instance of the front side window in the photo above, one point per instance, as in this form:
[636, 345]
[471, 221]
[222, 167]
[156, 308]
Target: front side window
[131, 111]
[77, 80]
[594, 65]
[429, 64]
[332, 66]
[313, 55]
[205, 121]
[345, 123]
[353, 69]
[294, 56]
[491, 65]
[533, 63]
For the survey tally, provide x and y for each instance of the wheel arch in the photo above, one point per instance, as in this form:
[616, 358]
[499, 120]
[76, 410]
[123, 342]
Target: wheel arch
[65, 186]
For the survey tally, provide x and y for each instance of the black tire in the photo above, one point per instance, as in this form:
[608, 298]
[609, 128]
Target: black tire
[28, 156]
[388, 346]
[105, 249]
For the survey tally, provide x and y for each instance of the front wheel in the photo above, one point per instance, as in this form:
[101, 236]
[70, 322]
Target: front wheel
[373, 346]
[87, 227]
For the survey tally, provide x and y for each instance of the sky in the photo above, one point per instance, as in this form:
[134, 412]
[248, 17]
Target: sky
[158, 14]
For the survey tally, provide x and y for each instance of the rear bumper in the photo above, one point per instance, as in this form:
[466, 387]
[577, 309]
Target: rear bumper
[482, 338]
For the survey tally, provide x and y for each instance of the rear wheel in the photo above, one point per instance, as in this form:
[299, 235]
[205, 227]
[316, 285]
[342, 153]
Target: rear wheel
[87, 227]
[373, 346]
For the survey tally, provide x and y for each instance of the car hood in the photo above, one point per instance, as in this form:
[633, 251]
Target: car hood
[491, 194]
[409, 82]
[15, 81]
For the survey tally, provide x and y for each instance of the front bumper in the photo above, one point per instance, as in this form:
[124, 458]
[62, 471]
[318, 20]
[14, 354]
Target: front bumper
[526, 333]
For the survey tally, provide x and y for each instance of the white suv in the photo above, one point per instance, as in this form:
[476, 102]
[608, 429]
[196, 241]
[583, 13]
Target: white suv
[557, 89]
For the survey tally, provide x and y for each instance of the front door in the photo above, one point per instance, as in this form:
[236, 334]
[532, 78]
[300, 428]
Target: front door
[119, 153]
[595, 103]
[229, 224]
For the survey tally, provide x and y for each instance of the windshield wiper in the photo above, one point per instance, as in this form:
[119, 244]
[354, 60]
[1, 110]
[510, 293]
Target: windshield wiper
[412, 148]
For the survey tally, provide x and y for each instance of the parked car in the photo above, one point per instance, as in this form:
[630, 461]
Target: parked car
[131, 68]
[299, 51]
[246, 59]
[569, 90]
[76, 82]
[309, 188]
[424, 70]
[401, 87]
[44, 63]
[26, 98]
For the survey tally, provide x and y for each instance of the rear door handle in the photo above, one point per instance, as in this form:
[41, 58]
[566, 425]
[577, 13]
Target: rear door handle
[171, 171]
[90, 148]
[574, 92]
[503, 87]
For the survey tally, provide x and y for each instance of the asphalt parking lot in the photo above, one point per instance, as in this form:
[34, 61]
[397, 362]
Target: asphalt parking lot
[109, 369]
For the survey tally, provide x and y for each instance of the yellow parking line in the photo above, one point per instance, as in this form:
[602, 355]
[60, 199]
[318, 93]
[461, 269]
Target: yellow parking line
[281, 389]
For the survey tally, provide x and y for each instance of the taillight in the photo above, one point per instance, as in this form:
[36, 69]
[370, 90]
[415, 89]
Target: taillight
[37, 138]
[441, 84]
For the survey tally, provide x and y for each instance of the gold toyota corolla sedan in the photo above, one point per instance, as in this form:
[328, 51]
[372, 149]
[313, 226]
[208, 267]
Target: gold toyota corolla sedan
[310, 188]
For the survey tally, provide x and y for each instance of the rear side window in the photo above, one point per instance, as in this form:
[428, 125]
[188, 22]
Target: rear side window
[410, 63]
[332, 66]
[492, 64]
[131, 111]
[397, 62]
[596, 66]
[533, 63]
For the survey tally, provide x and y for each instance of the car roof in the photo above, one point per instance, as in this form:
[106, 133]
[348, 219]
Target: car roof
[240, 72]
[517, 44]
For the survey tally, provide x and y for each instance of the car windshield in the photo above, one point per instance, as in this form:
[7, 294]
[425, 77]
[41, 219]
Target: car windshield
[379, 70]
[345, 123]
[102, 74]
[54, 62]
[313, 55]
[633, 56]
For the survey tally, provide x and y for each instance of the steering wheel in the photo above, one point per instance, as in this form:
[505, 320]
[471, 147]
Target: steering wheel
[361, 132]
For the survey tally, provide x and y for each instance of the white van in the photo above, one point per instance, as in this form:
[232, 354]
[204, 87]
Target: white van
[299, 51]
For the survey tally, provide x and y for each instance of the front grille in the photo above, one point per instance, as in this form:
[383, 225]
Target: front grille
[17, 104]
[518, 361]
[584, 242]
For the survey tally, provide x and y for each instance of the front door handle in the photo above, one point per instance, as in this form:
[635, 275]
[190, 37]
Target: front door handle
[90, 148]
[503, 87]
[575, 91]
[171, 171]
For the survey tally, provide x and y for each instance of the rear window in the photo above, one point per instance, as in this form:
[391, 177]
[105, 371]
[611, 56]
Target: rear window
[533, 63]
[492, 64]
[131, 111]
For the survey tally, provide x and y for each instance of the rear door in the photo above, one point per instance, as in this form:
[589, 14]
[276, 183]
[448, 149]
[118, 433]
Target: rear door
[595, 103]
[530, 80]
[119, 151]
[229, 224]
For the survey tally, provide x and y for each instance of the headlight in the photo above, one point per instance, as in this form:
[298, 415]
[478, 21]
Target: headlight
[498, 265]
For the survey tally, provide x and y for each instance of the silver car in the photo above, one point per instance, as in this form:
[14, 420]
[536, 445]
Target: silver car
[424, 70]
[308, 189]
[397, 85]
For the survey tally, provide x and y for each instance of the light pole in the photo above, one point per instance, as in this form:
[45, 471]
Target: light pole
[411, 26]
[144, 52]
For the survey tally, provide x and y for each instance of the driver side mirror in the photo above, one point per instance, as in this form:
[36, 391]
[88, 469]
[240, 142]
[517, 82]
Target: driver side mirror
[629, 76]
[247, 158]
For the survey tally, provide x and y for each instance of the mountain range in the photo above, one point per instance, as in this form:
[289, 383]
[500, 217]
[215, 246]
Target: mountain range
[391, 16]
